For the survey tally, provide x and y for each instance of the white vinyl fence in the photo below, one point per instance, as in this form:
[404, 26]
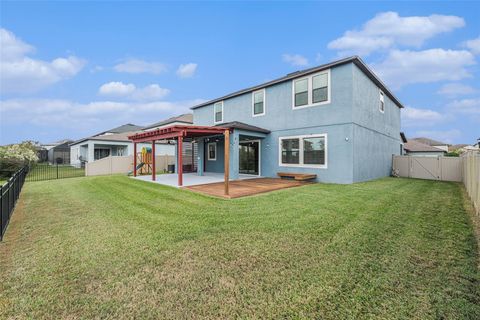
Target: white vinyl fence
[471, 173]
[113, 165]
[464, 169]
[431, 168]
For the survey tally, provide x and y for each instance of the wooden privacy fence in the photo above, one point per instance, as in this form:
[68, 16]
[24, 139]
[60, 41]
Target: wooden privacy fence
[471, 173]
[464, 169]
[113, 165]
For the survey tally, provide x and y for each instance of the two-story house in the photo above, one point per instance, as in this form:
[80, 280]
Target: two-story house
[338, 121]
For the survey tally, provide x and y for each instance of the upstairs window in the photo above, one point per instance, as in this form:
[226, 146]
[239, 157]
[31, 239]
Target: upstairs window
[301, 92]
[218, 112]
[320, 88]
[258, 103]
[382, 102]
[312, 90]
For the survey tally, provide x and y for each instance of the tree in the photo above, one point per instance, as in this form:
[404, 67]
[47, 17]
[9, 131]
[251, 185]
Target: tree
[15, 156]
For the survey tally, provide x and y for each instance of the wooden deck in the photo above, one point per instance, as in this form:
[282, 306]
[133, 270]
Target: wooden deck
[248, 187]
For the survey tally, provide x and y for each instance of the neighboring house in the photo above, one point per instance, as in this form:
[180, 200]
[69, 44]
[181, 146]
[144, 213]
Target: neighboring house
[113, 142]
[183, 119]
[55, 152]
[338, 121]
[415, 148]
[433, 143]
[457, 147]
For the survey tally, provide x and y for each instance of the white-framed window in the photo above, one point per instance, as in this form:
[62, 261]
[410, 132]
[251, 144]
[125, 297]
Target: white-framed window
[258, 103]
[303, 151]
[311, 91]
[212, 151]
[218, 112]
[381, 105]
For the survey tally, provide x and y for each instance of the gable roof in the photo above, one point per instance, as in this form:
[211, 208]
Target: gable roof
[354, 59]
[416, 146]
[430, 142]
[184, 118]
[121, 129]
[117, 137]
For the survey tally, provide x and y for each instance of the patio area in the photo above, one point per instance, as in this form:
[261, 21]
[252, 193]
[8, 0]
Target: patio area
[190, 179]
[212, 184]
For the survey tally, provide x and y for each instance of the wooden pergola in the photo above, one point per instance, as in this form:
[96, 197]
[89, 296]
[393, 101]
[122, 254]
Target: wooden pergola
[179, 133]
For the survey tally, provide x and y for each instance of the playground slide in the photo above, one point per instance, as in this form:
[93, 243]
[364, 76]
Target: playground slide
[141, 164]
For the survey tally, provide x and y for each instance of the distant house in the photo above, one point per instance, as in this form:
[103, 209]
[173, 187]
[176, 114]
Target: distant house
[433, 143]
[414, 147]
[55, 152]
[457, 147]
[183, 119]
[115, 142]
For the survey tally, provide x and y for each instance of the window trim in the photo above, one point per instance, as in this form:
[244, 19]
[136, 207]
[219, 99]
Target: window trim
[301, 164]
[214, 113]
[380, 100]
[208, 151]
[264, 103]
[310, 90]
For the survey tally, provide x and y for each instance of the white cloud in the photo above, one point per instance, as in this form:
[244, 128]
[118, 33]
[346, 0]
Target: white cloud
[22, 74]
[77, 119]
[388, 29]
[118, 89]
[466, 106]
[473, 45]
[407, 67]
[130, 91]
[140, 66]
[187, 70]
[421, 117]
[456, 89]
[295, 60]
[447, 136]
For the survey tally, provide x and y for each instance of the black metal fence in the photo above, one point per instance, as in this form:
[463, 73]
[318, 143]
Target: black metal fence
[45, 171]
[9, 193]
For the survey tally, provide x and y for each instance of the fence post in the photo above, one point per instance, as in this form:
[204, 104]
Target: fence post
[57, 170]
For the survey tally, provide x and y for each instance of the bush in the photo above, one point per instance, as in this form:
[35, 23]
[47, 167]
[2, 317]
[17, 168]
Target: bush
[452, 154]
[15, 156]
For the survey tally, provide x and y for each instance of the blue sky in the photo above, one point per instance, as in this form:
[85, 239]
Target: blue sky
[69, 70]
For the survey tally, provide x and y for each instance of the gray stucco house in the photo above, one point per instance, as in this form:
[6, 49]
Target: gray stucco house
[338, 121]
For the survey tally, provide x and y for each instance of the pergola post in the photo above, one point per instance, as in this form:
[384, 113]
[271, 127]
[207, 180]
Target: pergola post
[227, 160]
[154, 171]
[134, 159]
[180, 160]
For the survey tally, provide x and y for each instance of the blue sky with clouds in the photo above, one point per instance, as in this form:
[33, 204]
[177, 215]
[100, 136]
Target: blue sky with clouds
[69, 70]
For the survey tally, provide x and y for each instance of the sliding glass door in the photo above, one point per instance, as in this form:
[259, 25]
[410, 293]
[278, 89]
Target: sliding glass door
[249, 157]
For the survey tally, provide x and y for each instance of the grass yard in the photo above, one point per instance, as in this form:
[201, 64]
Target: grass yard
[45, 171]
[113, 247]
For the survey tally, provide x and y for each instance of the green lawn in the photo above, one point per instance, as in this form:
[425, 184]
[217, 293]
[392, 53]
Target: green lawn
[113, 247]
[42, 171]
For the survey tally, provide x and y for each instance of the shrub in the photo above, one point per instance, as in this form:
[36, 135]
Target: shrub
[15, 156]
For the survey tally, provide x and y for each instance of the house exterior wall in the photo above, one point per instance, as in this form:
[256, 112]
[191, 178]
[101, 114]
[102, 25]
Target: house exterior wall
[376, 134]
[86, 149]
[360, 139]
